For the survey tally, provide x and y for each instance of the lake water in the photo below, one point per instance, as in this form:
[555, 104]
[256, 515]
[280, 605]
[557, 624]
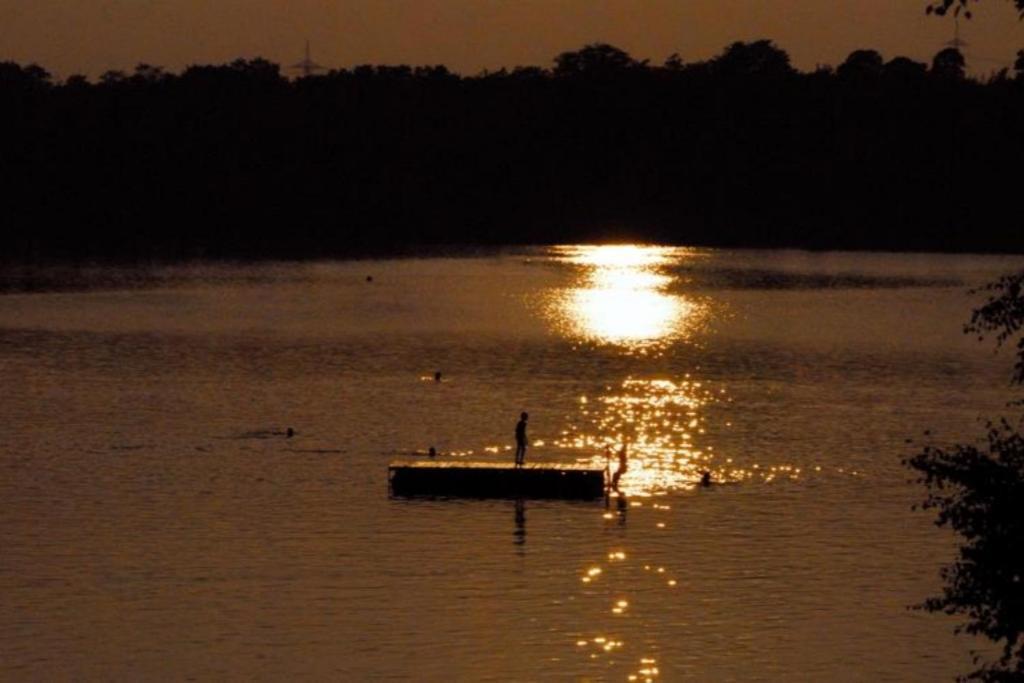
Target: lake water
[156, 522]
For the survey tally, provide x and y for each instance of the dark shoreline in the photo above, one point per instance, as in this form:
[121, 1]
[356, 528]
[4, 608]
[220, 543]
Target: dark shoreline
[236, 162]
[54, 275]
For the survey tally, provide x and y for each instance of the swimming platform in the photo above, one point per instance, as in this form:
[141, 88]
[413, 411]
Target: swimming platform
[495, 480]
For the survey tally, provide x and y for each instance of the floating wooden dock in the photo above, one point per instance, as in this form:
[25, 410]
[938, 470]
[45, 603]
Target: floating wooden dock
[495, 480]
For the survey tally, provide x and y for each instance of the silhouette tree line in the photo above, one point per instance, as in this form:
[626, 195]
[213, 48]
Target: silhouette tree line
[237, 161]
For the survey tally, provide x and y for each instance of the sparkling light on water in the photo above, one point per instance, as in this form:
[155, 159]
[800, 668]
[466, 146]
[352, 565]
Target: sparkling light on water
[659, 420]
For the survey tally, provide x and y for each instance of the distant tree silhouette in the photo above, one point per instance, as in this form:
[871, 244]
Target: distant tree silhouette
[146, 73]
[979, 493]
[31, 77]
[674, 62]
[76, 82]
[112, 77]
[760, 58]
[528, 73]
[595, 60]
[861, 64]
[905, 69]
[949, 63]
[258, 69]
[1018, 65]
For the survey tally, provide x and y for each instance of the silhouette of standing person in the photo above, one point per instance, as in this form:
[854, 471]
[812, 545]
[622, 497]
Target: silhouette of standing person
[521, 439]
[623, 466]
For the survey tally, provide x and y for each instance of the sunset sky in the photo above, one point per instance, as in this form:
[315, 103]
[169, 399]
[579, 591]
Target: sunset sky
[92, 36]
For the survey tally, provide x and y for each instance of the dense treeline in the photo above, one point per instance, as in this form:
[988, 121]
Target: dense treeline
[238, 161]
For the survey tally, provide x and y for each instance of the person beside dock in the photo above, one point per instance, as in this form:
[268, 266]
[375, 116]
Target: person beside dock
[623, 466]
[521, 439]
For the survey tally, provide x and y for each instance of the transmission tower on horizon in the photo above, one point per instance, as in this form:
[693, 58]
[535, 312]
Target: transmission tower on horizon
[992, 62]
[957, 42]
[307, 67]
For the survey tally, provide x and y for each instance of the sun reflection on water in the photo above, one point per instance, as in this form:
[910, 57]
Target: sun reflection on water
[621, 296]
[626, 297]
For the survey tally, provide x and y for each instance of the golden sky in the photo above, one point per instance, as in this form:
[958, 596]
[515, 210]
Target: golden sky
[91, 36]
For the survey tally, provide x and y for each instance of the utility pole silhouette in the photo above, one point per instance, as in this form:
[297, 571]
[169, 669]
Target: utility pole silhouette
[307, 67]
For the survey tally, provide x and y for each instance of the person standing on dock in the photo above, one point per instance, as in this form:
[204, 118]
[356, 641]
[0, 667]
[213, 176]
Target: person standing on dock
[521, 439]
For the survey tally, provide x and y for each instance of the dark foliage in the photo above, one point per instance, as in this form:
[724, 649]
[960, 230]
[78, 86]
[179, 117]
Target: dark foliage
[961, 7]
[1003, 315]
[236, 161]
[949, 63]
[594, 61]
[866, 65]
[979, 493]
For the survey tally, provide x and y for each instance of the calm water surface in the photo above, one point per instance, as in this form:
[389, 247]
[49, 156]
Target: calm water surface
[156, 523]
